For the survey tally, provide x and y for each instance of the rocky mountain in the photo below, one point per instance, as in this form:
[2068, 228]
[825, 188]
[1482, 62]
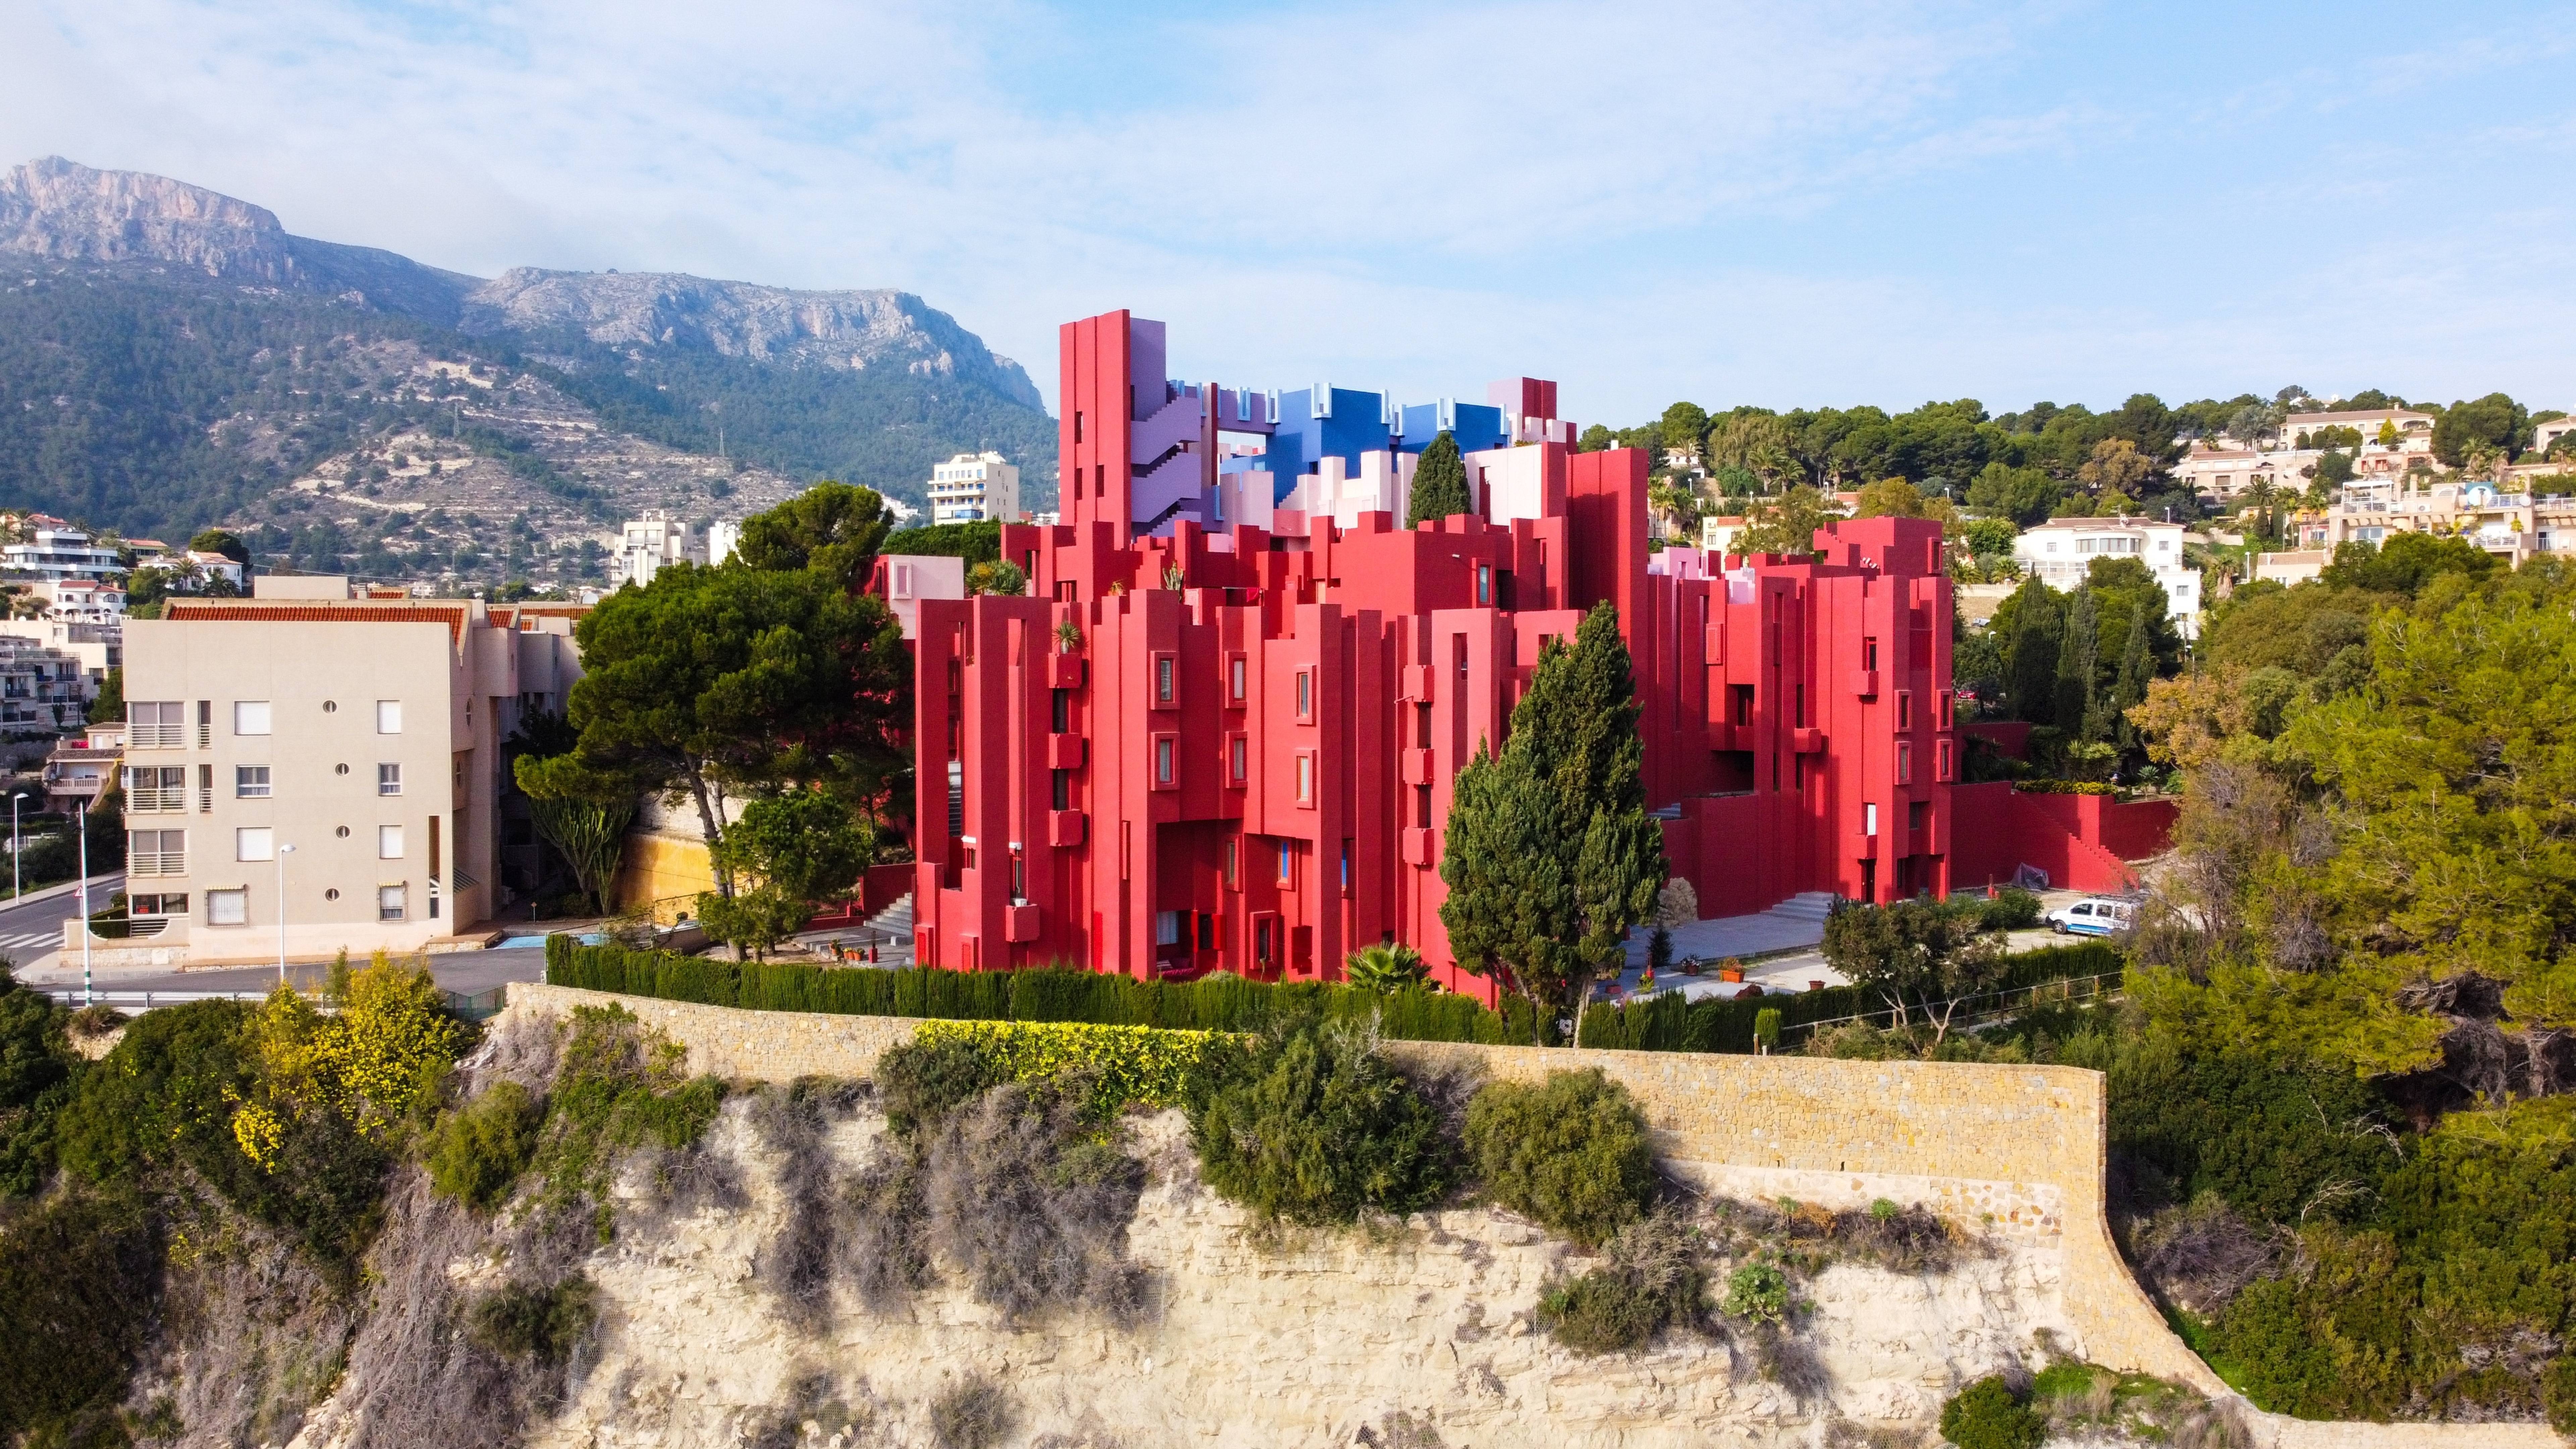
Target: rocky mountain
[171, 357]
[848, 330]
[58, 210]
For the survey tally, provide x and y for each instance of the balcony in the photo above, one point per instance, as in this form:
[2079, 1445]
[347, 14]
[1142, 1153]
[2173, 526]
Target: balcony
[1417, 766]
[1864, 682]
[1064, 671]
[1417, 683]
[1064, 828]
[1421, 847]
[1065, 752]
[1807, 741]
[1019, 923]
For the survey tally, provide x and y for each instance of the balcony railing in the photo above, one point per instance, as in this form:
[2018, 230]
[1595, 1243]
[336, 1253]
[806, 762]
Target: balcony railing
[170, 736]
[156, 799]
[157, 862]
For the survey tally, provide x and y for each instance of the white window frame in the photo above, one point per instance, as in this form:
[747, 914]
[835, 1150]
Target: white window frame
[389, 779]
[228, 907]
[253, 717]
[245, 788]
[259, 838]
[400, 898]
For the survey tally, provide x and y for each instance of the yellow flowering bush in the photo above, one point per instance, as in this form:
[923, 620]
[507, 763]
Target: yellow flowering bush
[372, 1062]
[1151, 1065]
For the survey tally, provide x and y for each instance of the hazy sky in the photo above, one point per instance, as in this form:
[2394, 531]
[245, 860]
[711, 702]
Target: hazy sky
[1797, 203]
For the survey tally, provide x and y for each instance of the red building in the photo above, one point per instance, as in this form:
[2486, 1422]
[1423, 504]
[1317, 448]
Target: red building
[1231, 746]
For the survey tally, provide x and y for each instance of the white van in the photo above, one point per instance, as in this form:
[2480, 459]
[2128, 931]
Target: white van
[2093, 916]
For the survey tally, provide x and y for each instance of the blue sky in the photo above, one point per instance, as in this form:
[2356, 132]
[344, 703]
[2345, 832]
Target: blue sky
[1780, 204]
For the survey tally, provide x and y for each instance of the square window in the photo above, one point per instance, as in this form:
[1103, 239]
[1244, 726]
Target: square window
[227, 908]
[393, 902]
[389, 842]
[250, 782]
[388, 779]
[1167, 928]
[250, 717]
[254, 842]
[389, 716]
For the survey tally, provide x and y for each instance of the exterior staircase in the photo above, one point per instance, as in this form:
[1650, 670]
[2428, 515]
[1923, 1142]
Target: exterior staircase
[1806, 906]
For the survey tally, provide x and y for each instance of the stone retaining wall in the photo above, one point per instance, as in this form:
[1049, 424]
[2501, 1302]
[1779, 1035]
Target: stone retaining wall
[2017, 1148]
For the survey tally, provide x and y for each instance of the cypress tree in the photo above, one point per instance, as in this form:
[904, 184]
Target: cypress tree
[1439, 483]
[2078, 664]
[2137, 669]
[2030, 666]
[1550, 855]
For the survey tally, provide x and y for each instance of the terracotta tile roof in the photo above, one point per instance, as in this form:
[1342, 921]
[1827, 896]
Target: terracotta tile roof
[453, 613]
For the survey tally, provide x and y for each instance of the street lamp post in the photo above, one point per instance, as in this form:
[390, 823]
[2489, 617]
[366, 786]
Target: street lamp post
[89, 997]
[283, 852]
[14, 887]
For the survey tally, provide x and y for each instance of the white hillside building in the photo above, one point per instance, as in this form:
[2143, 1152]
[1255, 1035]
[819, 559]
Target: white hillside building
[2061, 551]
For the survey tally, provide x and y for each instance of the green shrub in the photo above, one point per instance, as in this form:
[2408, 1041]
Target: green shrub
[2270, 1136]
[1987, 1415]
[619, 1088]
[1650, 1282]
[920, 1082]
[79, 1279]
[1758, 1292]
[544, 1324]
[479, 1149]
[2012, 909]
[1315, 1127]
[1570, 1152]
[2558, 1393]
[37, 1076]
[1123, 1064]
[1384, 967]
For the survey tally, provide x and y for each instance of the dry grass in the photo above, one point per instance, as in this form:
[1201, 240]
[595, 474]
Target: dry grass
[972, 1414]
[1033, 1208]
[797, 1264]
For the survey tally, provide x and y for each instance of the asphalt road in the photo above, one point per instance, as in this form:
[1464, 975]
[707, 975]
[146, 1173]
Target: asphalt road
[465, 972]
[29, 929]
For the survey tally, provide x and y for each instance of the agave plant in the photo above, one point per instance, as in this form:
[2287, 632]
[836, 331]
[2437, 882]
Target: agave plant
[1385, 967]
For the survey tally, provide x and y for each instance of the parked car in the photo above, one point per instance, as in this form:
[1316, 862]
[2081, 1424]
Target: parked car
[2093, 916]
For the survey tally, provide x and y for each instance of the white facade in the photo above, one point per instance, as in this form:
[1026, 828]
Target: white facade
[2060, 552]
[648, 543]
[367, 734]
[63, 553]
[723, 537]
[972, 487]
[82, 601]
[2512, 526]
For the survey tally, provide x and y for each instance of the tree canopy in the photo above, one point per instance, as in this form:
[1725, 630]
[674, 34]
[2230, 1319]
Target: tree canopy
[831, 528]
[1439, 483]
[1550, 855]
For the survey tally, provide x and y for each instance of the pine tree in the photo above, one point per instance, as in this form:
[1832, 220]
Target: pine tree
[2079, 664]
[1550, 855]
[1439, 483]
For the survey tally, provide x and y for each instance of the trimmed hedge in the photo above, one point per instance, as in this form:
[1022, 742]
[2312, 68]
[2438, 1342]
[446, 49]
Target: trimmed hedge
[1212, 1003]
[1666, 1023]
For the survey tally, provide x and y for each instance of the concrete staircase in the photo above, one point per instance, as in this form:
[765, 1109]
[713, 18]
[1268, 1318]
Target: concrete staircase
[890, 929]
[1806, 906]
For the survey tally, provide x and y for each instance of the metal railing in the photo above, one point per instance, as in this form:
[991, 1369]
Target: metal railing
[474, 1007]
[1999, 1004]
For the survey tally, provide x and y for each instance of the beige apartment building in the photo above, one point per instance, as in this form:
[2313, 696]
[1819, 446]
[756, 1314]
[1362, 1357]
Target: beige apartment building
[345, 750]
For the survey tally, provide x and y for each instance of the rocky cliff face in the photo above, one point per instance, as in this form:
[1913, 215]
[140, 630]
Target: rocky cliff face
[62, 211]
[857, 330]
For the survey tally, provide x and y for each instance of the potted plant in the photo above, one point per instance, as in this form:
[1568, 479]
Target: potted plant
[1732, 970]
